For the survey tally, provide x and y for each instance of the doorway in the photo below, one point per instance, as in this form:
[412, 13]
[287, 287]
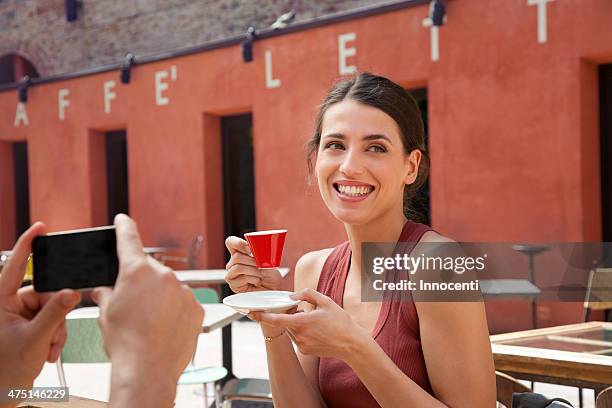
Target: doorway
[116, 174]
[421, 203]
[22, 187]
[238, 174]
[605, 126]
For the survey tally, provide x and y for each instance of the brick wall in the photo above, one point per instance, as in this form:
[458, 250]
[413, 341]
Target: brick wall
[107, 29]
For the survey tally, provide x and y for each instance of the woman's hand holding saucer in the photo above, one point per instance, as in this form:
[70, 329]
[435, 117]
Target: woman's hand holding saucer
[243, 274]
[322, 328]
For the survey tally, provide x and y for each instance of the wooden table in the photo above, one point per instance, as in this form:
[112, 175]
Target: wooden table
[216, 316]
[198, 277]
[508, 289]
[73, 402]
[157, 250]
[578, 355]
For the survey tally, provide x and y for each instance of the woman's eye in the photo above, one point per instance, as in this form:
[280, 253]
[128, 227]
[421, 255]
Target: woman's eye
[334, 145]
[377, 149]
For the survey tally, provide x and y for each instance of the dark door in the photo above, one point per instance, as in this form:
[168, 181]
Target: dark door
[117, 174]
[238, 179]
[421, 203]
[605, 115]
[22, 189]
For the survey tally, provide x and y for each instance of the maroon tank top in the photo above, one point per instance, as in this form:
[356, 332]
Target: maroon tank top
[396, 332]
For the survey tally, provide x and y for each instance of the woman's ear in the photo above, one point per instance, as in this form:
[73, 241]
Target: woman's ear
[412, 161]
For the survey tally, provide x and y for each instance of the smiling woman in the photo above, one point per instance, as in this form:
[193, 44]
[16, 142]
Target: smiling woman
[375, 97]
[369, 159]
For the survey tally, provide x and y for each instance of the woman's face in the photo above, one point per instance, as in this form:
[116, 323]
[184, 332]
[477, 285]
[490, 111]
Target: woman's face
[361, 164]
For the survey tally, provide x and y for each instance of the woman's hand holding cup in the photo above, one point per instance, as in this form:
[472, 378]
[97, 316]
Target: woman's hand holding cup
[243, 274]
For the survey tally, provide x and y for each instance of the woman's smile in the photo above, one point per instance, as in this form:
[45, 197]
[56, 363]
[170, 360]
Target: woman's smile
[352, 191]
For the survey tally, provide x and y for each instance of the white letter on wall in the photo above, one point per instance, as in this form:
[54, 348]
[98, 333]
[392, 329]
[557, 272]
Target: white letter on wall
[344, 53]
[21, 116]
[109, 95]
[270, 82]
[434, 38]
[542, 30]
[161, 86]
[63, 102]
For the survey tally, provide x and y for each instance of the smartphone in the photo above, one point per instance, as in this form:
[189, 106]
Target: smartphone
[76, 259]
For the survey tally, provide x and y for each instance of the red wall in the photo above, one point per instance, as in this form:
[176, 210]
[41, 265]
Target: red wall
[514, 131]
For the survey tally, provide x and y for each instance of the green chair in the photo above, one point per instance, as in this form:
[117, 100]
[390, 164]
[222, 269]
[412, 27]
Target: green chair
[206, 295]
[506, 386]
[255, 390]
[204, 375]
[84, 344]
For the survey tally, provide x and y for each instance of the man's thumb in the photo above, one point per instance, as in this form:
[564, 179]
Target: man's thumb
[53, 313]
[100, 295]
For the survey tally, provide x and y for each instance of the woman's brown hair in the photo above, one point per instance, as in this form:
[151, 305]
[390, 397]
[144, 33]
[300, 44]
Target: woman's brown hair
[395, 101]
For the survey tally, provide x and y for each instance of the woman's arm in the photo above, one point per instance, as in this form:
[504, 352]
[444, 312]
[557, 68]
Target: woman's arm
[293, 375]
[457, 352]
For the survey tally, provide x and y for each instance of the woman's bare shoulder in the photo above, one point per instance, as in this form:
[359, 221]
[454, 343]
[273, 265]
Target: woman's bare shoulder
[308, 268]
[433, 236]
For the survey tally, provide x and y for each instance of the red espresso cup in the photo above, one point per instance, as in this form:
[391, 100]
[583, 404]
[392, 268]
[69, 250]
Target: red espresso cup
[267, 247]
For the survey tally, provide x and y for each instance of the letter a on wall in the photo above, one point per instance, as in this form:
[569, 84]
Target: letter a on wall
[21, 116]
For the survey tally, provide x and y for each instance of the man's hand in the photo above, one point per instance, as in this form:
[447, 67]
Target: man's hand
[150, 323]
[32, 325]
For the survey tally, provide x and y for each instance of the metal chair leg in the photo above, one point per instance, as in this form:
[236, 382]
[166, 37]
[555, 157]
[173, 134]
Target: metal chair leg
[60, 372]
[217, 387]
[205, 396]
[580, 397]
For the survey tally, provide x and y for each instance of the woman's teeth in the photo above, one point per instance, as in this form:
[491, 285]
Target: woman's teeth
[355, 191]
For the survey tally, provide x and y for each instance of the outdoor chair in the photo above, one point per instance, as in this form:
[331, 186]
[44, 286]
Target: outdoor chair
[244, 389]
[506, 385]
[204, 375]
[604, 399]
[599, 292]
[84, 345]
[255, 390]
[598, 297]
[191, 260]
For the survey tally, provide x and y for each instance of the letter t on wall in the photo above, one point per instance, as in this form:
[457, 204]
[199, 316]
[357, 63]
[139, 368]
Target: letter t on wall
[542, 19]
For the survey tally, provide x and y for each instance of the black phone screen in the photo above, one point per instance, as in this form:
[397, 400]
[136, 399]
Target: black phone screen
[75, 259]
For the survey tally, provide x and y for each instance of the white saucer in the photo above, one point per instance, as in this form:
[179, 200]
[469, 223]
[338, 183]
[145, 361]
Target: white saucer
[271, 301]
